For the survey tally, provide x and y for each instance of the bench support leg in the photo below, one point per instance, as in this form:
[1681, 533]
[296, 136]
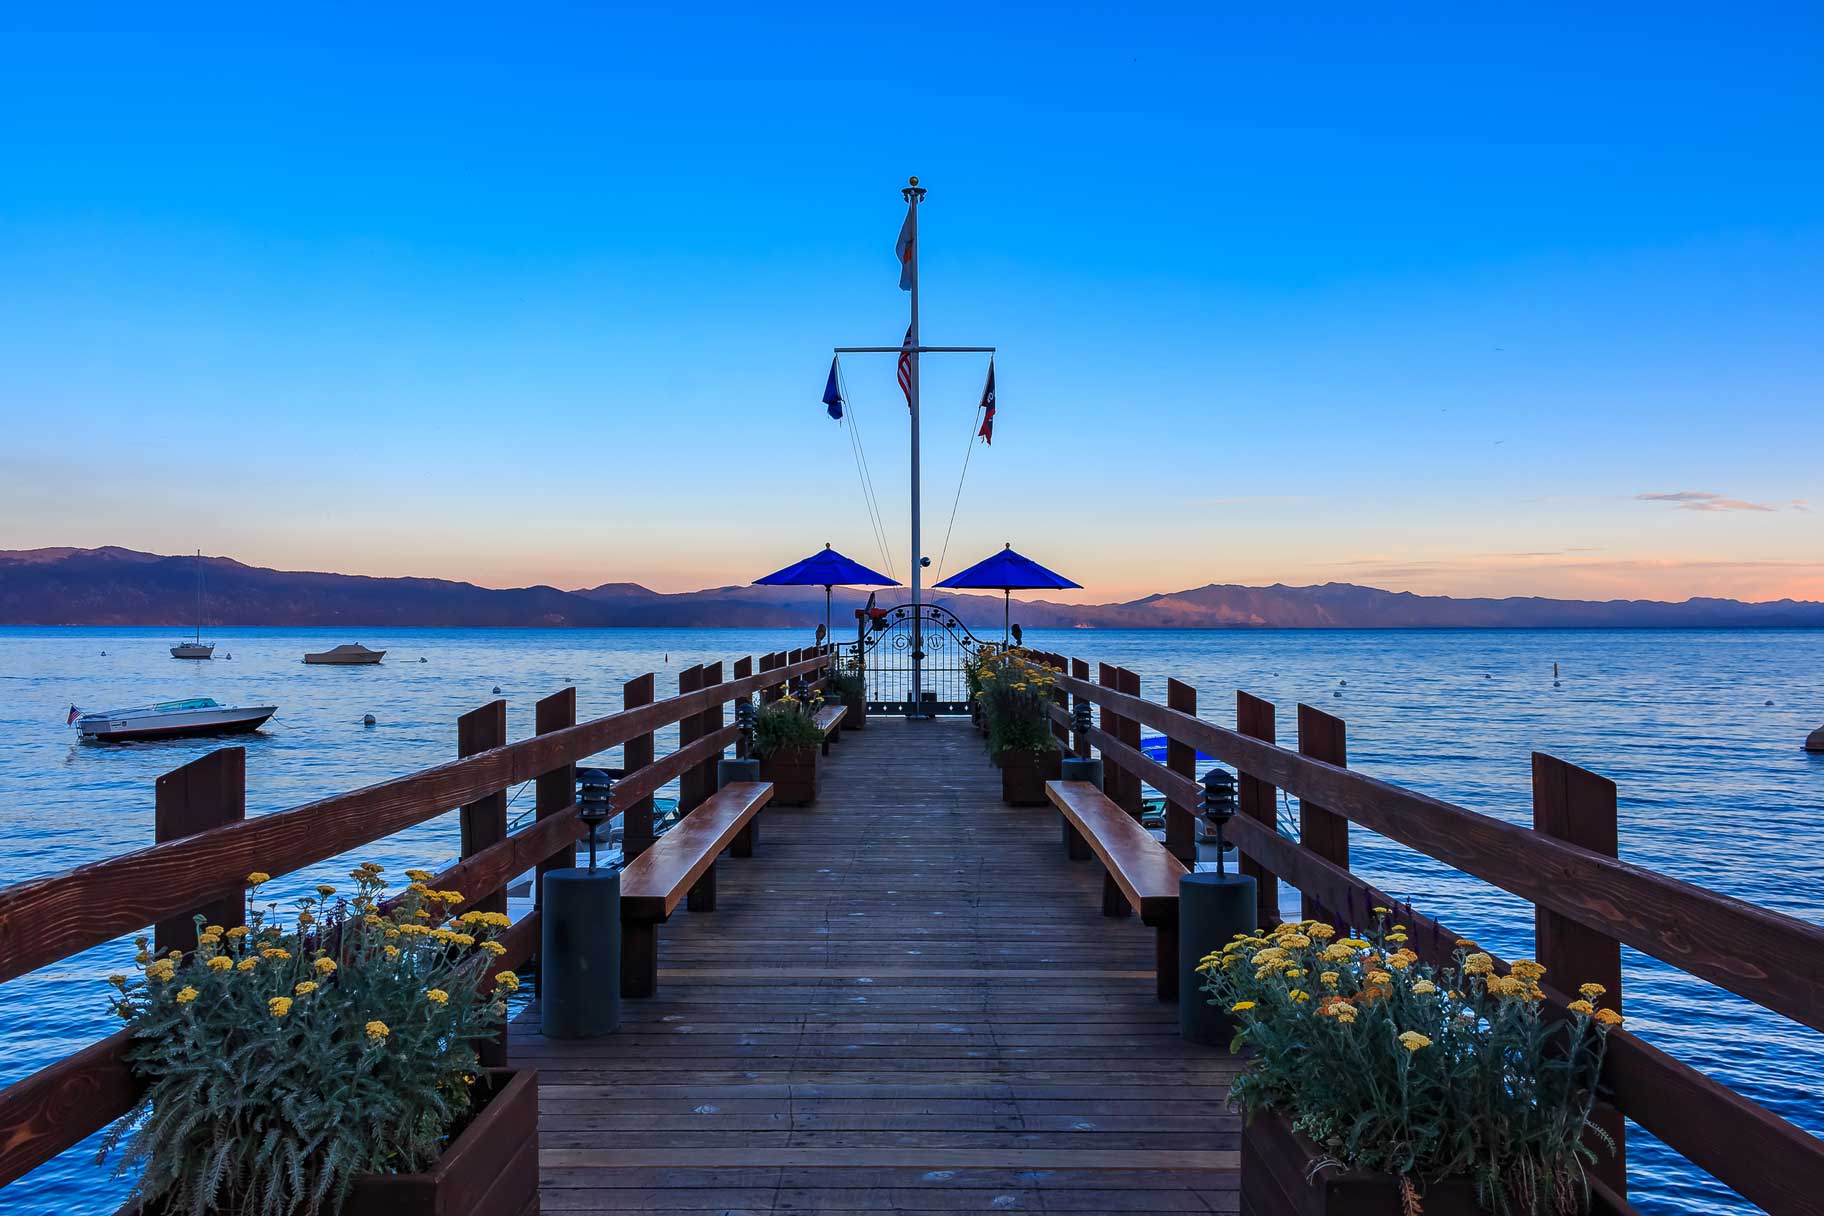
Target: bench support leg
[1165, 959]
[1075, 847]
[702, 897]
[639, 958]
[826, 745]
[746, 839]
[1114, 903]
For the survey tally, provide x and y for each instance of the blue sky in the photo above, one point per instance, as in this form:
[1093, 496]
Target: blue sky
[1412, 298]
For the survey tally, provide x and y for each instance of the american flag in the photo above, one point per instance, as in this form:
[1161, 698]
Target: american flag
[905, 367]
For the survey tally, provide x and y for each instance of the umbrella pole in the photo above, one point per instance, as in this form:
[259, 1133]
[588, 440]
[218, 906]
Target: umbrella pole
[1006, 615]
[828, 637]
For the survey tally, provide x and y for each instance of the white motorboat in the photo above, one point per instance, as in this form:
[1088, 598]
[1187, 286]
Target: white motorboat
[170, 720]
[197, 649]
[349, 654]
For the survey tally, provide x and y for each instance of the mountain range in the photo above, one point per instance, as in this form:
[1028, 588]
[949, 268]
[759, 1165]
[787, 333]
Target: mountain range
[115, 586]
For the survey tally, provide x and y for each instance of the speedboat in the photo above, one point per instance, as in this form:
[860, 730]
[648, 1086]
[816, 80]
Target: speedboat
[170, 720]
[349, 654]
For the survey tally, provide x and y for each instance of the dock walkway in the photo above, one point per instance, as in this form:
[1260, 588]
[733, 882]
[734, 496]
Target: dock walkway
[907, 1001]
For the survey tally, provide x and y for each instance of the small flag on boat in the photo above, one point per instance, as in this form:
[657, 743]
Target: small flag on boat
[74, 714]
[905, 367]
[832, 393]
[907, 249]
[987, 431]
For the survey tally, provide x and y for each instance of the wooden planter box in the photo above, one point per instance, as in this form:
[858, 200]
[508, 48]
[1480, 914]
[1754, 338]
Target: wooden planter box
[857, 716]
[491, 1169]
[794, 775]
[1024, 774]
[1275, 1161]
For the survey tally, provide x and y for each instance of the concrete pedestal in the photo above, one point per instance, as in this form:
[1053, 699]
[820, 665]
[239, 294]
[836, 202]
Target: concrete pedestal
[736, 770]
[579, 975]
[1212, 909]
[1075, 768]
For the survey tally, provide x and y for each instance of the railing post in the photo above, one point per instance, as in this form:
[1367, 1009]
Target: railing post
[1128, 731]
[767, 663]
[1061, 699]
[1578, 807]
[1114, 777]
[744, 667]
[708, 723]
[1256, 799]
[1079, 669]
[636, 754]
[1181, 758]
[1321, 737]
[690, 729]
[484, 821]
[203, 794]
[556, 790]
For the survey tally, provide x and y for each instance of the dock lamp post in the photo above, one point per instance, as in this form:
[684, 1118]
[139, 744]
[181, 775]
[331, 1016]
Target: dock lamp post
[579, 978]
[744, 767]
[1212, 909]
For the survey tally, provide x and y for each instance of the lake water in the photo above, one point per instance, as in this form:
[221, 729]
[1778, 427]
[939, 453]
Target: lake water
[1700, 729]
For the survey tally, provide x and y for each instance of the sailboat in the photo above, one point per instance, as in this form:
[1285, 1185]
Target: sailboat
[196, 649]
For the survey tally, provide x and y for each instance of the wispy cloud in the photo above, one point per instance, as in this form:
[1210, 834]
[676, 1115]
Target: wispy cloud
[1703, 500]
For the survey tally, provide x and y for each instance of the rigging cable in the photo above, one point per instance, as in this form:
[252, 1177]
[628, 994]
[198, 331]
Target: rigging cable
[869, 499]
[974, 429]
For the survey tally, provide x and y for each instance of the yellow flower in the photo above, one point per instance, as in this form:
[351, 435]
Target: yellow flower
[1396, 937]
[1424, 988]
[1583, 1007]
[324, 966]
[1241, 1006]
[496, 949]
[1608, 1017]
[275, 952]
[279, 1006]
[1379, 977]
[186, 994]
[257, 877]
[1354, 943]
[1399, 962]
[1328, 979]
[1299, 995]
[1380, 911]
[162, 970]
[377, 1032]
[238, 932]
[1321, 932]
[1344, 1014]
[1464, 943]
[305, 988]
[1527, 970]
[437, 996]
[1295, 941]
[213, 930]
[176, 956]
[220, 962]
[247, 964]
[1412, 1040]
[1338, 953]
[420, 876]
[1592, 991]
[508, 980]
[1478, 964]
[1399, 928]
[326, 891]
[305, 918]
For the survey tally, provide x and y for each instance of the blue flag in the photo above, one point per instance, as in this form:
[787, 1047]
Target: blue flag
[832, 393]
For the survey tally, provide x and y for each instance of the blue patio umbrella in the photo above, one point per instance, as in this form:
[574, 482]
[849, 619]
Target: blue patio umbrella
[827, 569]
[1008, 572]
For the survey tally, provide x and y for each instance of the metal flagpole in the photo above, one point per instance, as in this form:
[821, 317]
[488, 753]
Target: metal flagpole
[914, 194]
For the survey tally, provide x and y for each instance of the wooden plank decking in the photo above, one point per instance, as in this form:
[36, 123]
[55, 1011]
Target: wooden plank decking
[908, 1001]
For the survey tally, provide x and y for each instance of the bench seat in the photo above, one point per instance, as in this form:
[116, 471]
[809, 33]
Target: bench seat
[681, 862]
[1138, 872]
[829, 721]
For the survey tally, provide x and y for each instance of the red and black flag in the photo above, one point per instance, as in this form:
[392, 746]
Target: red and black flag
[987, 431]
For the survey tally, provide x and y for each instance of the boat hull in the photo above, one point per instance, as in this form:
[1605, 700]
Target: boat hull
[317, 660]
[177, 726]
[191, 650]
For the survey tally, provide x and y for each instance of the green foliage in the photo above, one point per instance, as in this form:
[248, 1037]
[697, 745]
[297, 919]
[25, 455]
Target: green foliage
[846, 685]
[281, 1060]
[1014, 693]
[786, 724]
[1417, 1071]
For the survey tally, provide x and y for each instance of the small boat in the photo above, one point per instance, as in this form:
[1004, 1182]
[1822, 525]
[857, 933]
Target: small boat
[196, 649]
[170, 720]
[347, 655]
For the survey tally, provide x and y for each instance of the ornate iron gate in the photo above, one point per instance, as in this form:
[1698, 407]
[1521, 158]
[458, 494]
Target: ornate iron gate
[884, 655]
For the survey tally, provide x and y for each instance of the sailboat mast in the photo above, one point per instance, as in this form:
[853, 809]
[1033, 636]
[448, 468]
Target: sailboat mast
[914, 195]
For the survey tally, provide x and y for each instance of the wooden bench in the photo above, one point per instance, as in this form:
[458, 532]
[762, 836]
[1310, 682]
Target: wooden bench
[829, 721]
[682, 860]
[1138, 873]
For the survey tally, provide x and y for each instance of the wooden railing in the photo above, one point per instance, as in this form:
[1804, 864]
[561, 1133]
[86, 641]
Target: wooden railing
[205, 849]
[1588, 904]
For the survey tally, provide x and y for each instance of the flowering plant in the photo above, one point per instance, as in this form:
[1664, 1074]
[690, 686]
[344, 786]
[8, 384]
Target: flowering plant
[1014, 692]
[283, 1059]
[1422, 1072]
[787, 724]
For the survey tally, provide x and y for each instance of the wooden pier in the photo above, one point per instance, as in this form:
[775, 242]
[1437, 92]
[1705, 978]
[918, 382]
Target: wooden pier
[906, 996]
[906, 1001]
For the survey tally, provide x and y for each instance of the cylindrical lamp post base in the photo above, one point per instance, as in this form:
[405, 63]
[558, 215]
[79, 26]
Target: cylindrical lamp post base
[1212, 909]
[579, 975]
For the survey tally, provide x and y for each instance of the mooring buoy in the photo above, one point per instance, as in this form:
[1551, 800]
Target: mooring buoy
[497, 690]
[1814, 742]
[368, 720]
